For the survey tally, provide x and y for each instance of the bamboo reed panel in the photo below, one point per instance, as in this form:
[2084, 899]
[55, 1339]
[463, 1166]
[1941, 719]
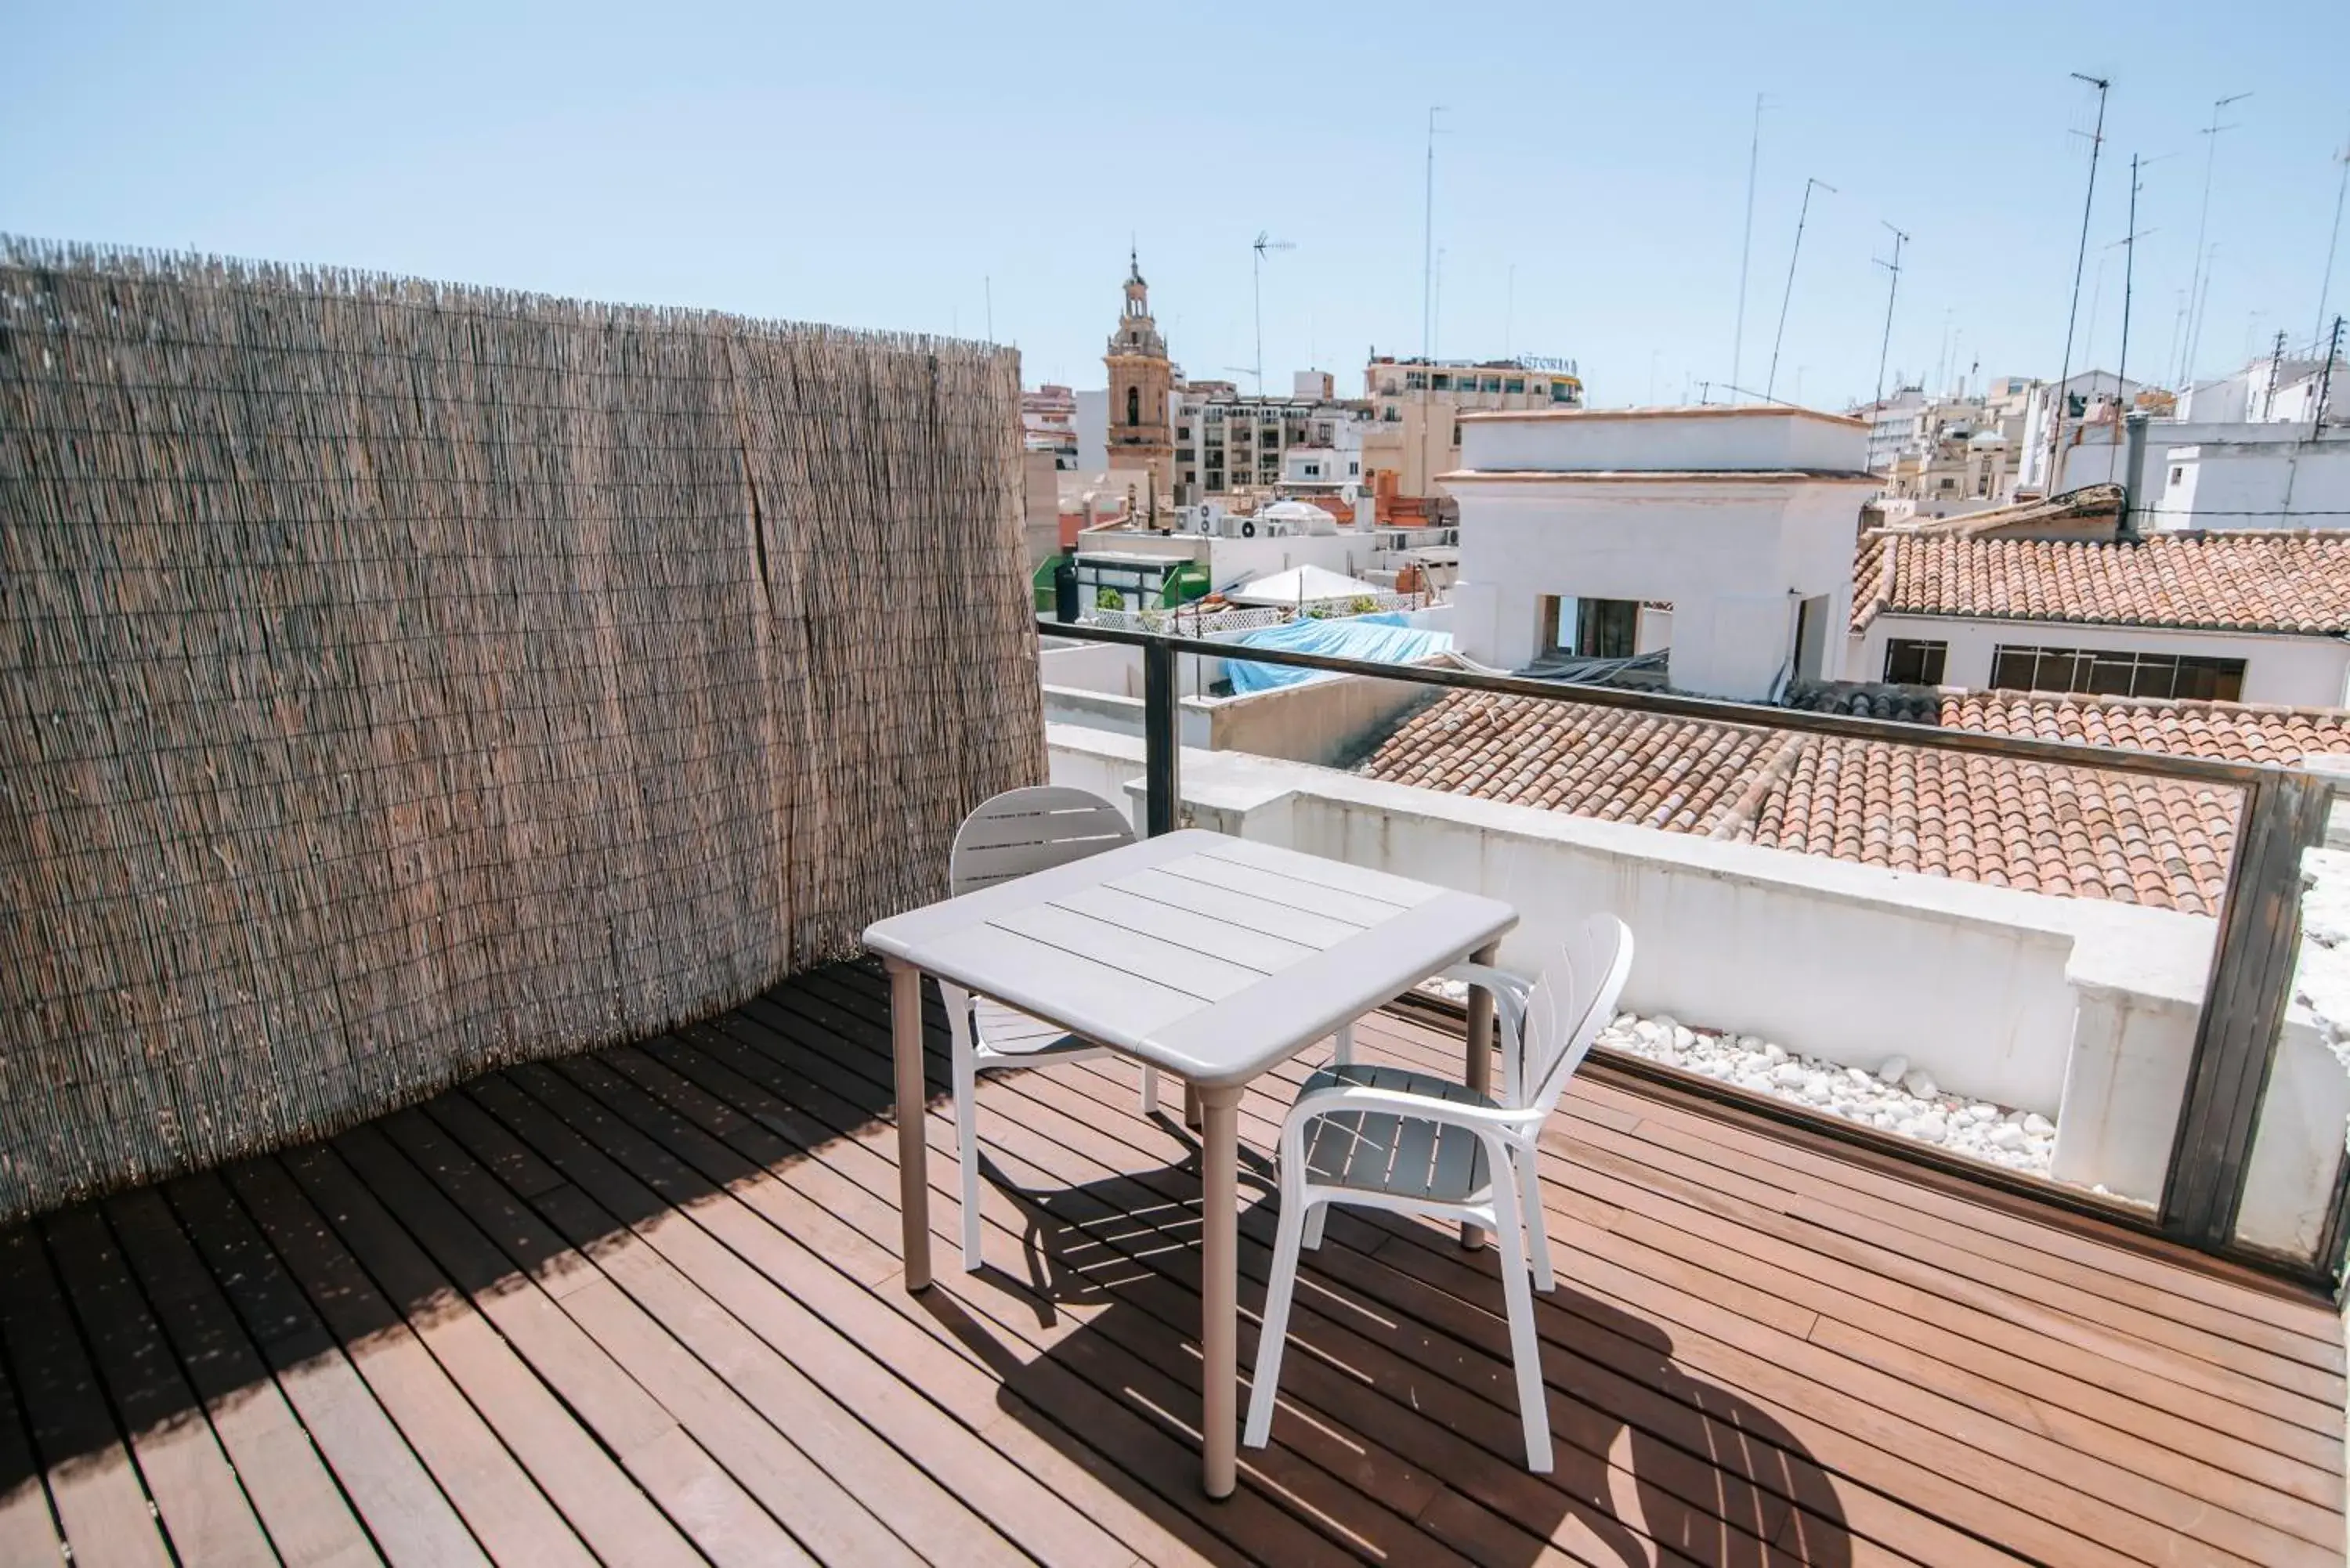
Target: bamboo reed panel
[398, 679]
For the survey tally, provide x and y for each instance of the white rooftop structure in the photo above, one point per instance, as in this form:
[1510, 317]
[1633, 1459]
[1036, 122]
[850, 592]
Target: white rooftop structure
[1742, 519]
[1305, 585]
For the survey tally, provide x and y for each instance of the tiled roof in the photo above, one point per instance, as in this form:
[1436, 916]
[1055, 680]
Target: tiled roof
[2059, 830]
[2231, 731]
[1609, 763]
[2005, 822]
[2277, 581]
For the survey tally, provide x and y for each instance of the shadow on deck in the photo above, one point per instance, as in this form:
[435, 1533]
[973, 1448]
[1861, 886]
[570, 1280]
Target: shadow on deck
[642, 1306]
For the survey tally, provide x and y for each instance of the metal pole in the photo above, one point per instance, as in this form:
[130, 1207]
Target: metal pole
[1770, 380]
[1256, 296]
[1884, 347]
[1746, 247]
[2129, 275]
[2201, 279]
[2325, 279]
[1162, 751]
[2080, 262]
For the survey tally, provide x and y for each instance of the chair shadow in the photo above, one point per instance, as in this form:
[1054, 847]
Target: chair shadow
[1399, 1416]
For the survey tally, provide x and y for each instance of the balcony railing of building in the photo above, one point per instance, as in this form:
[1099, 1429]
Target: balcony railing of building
[2281, 812]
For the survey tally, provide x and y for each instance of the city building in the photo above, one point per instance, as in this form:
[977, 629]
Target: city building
[1418, 405]
[1048, 424]
[2093, 399]
[1741, 519]
[1228, 444]
[2260, 617]
[1141, 384]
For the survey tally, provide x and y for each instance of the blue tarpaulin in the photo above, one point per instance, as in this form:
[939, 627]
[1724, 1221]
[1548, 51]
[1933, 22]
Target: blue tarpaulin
[1384, 638]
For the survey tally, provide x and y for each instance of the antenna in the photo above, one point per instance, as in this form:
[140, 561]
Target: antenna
[1746, 246]
[2325, 279]
[2080, 261]
[1772, 381]
[2197, 287]
[1264, 242]
[2129, 270]
[1893, 269]
[1427, 246]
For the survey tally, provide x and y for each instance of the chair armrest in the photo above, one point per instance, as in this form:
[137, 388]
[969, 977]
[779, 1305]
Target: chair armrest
[1509, 992]
[1340, 1097]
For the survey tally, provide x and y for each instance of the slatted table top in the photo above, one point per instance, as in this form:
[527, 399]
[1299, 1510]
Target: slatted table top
[1211, 957]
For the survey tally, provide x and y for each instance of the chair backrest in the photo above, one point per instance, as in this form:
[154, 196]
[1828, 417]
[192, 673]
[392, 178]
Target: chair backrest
[1572, 1000]
[1025, 830]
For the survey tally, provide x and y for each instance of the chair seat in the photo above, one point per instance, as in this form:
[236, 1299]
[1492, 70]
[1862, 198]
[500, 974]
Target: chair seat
[1008, 1032]
[1400, 1156]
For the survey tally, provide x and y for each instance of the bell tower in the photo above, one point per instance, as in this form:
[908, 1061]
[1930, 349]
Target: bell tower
[1140, 432]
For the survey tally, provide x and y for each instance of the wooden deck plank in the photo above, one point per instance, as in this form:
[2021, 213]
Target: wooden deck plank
[1479, 1326]
[1179, 1311]
[503, 1507]
[1949, 1282]
[2118, 1429]
[611, 1515]
[1180, 1319]
[519, 1280]
[406, 1516]
[205, 1512]
[28, 1530]
[655, 1289]
[1992, 1482]
[308, 1519]
[93, 1483]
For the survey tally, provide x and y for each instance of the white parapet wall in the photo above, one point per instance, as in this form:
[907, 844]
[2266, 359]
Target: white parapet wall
[2080, 1010]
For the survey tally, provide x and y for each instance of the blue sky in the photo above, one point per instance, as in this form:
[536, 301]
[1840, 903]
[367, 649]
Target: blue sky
[893, 165]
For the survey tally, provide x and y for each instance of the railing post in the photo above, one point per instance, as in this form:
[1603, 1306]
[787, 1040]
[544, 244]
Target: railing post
[2243, 1009]
[1162, 747]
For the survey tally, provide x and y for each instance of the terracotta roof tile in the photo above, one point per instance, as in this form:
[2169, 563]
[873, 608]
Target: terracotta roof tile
[2277, 581]
[2049, 829]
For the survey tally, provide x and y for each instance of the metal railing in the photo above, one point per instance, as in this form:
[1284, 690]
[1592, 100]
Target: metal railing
[2250, 984]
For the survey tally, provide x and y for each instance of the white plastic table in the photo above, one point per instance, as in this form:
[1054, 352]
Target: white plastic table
[1205, 956]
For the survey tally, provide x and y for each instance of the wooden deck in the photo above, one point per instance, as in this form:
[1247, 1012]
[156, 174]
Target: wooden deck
[641, 1307]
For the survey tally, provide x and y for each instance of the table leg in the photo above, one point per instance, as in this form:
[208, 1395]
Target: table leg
[1477, 1073]
[1190, 1106]
[1219, 1286]
[913, 1172]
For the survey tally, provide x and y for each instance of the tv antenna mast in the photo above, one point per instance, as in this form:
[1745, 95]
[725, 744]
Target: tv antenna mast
[2080, 261]
[1264, 242]
[2202, 223]
[1771, 381]
[1892, 288]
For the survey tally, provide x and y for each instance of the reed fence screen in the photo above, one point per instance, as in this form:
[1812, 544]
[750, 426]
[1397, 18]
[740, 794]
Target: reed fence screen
[398, 679]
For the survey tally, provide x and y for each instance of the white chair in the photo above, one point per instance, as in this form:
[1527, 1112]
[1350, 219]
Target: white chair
[1384, 1138]
[1016, 832]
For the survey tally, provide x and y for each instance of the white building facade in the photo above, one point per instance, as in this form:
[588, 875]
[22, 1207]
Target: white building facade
[1742, 519]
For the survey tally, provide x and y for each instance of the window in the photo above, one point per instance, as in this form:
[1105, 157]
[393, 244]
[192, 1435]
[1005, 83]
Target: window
[2105, 674]
[1442, 383]
[1562, 391]
[2177, 473]
[1912, 663]
[1607, 628]
[1390, 414]
[1491, 384]
[1514, 384]
[1456, 432]
[1416, 380]
[1313, 469]
[1134, 405]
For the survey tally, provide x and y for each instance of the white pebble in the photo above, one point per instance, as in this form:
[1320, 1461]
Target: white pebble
[1918, 1084]
[2038, 1126]
[1930, 1130]
[1893, 1069]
